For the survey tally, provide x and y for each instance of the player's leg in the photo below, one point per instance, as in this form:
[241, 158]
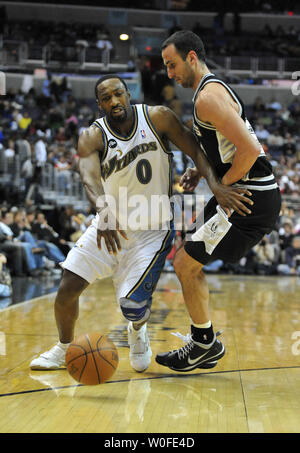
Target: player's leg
[66, 306]
[138, 313]
[142, 268]
[83, 265]
[194, 286]
[66, 309]
[203, 349]
[218, 238]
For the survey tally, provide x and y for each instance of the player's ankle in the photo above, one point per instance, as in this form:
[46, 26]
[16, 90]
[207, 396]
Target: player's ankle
[203, 335]
[63, 345]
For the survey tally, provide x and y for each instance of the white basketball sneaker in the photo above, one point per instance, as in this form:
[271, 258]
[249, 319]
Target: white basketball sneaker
[53, 359]
[140, 350]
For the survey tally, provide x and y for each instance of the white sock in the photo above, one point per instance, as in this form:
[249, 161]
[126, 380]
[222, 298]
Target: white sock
[206, 325]
[63, 345]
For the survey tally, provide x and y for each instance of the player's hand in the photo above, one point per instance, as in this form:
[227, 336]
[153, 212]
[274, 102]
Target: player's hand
[190, 179]
[109, 229]
[233, 198]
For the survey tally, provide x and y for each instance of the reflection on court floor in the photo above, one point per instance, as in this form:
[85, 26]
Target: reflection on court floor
[254, 388]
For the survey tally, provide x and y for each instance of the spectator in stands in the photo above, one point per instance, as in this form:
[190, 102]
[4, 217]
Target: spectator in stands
[275, 139]
[62, 167]
[9, 149]
[66, 226]
[53, 154]
[274, 105]
[33, 264]
[264, 257]
[56, 116]
[44, 232]
[16, 117]
[286, 235]
[70, 106]
[71, 125]
[294, 107]
[5, 278]
[289, 147]
[297, 227]
[46, 86]
[294, 185]
[25, 121]
[287, 214]
[273, 239]
[22, 147]
[61, 136]
[284, 182]
[27, 172]
[23, 234]
[15, 255]
[284, 113]
[86, 113]
[52, 252]
[84, 126]
[291, 266]
[261, 132]
[79, 225]
[40, 150]
[104, 43]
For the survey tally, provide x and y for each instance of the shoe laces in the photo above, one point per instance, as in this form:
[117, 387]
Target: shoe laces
[138, 341]
[184, 350]
[188, 339]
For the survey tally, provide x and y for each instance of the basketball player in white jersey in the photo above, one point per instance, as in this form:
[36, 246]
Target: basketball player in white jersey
[126, 149]
[225, 135]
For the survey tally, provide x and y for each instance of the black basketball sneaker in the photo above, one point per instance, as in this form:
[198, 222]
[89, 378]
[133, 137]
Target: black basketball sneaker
[193, 355]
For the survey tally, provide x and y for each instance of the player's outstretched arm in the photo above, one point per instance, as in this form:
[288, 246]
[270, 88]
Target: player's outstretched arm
[215, 107]
[169, 126]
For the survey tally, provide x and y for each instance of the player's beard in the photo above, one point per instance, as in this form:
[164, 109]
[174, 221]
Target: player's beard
[119, 118]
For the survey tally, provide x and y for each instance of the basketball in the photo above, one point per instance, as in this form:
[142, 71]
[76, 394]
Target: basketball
[92, 358]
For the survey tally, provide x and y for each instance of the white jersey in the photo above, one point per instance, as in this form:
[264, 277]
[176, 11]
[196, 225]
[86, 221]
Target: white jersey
[136, 173]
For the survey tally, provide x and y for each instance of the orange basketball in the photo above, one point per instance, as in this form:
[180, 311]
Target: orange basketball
[92, 358]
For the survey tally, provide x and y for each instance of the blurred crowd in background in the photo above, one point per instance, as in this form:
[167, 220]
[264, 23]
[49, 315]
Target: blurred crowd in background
[39, 129]
[64, 40]
[44, 127]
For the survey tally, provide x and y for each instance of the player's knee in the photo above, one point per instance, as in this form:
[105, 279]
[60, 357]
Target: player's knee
[71, 286]
[135, 311]
[179, 263]
[185, 265]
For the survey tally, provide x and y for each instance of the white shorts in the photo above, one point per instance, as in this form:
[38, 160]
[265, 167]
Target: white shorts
[135, 270]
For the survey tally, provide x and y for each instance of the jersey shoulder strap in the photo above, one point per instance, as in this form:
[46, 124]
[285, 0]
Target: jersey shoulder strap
[102, 153]
[209, 78]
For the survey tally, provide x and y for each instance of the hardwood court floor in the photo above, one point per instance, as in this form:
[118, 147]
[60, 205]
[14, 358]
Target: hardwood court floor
[254, 389]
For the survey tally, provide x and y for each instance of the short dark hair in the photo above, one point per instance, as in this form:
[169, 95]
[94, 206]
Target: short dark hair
[106, 77]
[185, 41]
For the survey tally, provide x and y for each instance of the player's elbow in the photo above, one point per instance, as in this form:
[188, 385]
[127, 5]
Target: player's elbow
[256, 150]
[253, 151]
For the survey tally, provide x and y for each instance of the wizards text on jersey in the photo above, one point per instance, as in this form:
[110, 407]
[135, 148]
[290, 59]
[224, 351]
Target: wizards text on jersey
[115, 165]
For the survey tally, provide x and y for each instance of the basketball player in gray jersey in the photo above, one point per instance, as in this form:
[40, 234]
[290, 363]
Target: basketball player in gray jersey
[126, 148]
[229, 143]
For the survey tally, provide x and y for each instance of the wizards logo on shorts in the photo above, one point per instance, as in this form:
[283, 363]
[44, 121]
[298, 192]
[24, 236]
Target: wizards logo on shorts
[149, 285]
[143, 133]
